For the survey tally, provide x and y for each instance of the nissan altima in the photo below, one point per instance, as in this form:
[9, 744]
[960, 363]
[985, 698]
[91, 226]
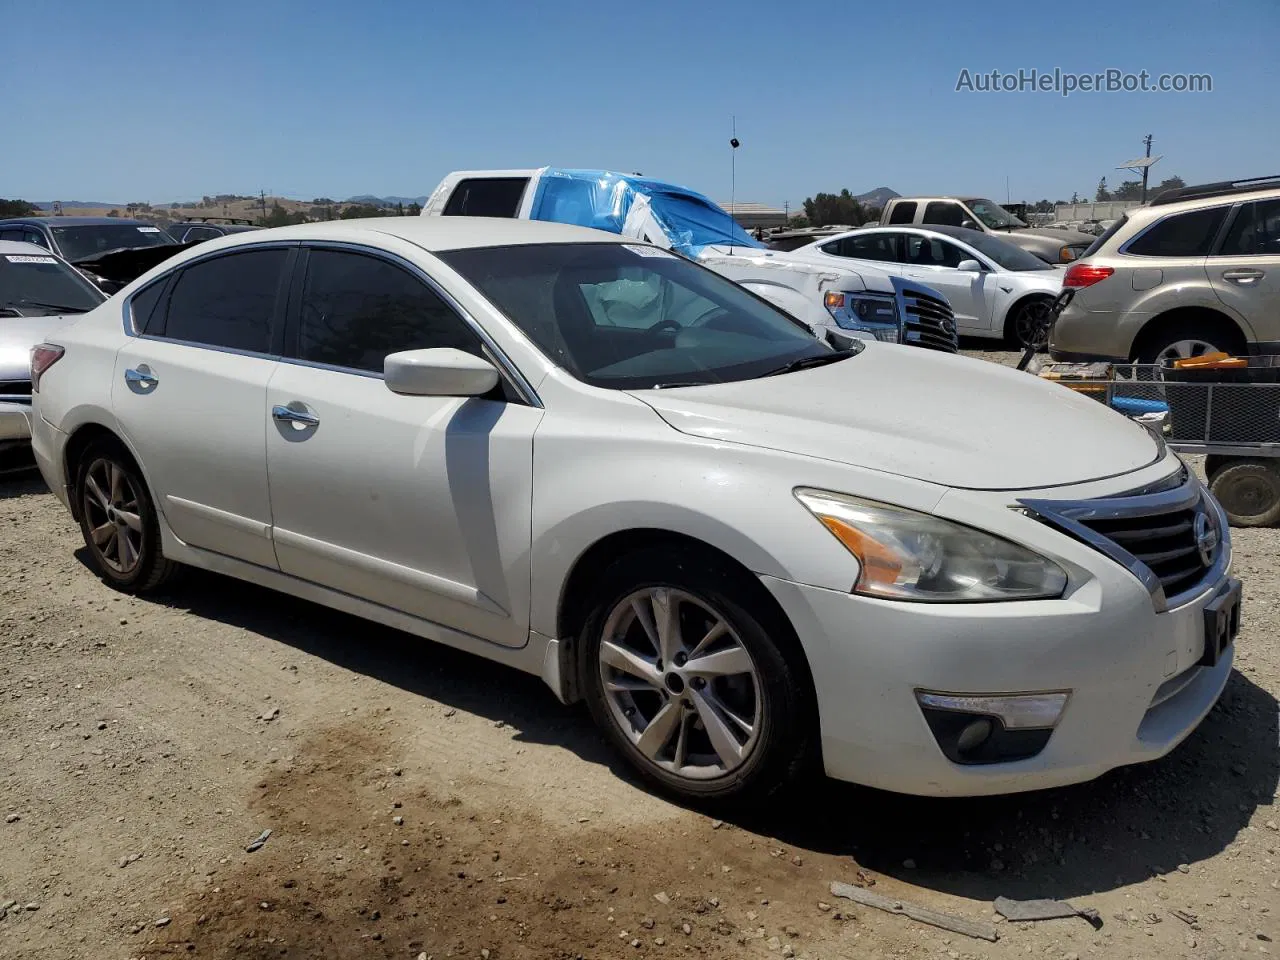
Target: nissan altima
[750, 551]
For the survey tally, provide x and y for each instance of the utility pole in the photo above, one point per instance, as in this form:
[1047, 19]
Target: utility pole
[262, 196]
[1147, 168]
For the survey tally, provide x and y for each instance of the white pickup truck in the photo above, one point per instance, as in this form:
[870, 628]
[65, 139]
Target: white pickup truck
[860, 301]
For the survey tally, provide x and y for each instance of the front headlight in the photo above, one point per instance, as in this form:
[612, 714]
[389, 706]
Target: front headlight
[905, 555]
[866, 312]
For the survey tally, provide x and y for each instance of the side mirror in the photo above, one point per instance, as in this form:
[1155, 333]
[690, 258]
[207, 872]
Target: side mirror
[969, 266]
[968, 224]
[439, 372]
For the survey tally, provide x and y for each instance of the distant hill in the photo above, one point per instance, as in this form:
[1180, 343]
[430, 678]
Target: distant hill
[68, 204]
[386, 201]
[877, 197]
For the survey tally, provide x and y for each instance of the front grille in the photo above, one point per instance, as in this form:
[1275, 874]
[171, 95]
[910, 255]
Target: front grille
[15, 391]
[929, 321]
[1169, 535]
[1166, 543]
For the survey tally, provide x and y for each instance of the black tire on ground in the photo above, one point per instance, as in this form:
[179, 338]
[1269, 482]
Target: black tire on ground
[1025, 325]
[1249, 491]
[786, 749]
[1216, 334]
[129, 500]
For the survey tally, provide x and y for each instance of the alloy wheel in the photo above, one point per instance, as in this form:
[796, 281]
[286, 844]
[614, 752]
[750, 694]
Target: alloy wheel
[1185, 350]
[111, 504]
[680, 684]
[1031, 326]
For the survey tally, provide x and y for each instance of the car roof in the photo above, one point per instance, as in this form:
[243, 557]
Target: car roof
[963, 234]
[77, 221]
[430, 233]
[16, 248]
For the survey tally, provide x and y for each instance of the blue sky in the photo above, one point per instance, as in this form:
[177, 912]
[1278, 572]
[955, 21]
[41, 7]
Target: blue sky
[158, 100]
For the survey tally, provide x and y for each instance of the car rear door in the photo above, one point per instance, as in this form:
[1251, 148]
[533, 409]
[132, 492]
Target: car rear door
[189, 394]
[881, 249]
[418, 504]
[1245, 269]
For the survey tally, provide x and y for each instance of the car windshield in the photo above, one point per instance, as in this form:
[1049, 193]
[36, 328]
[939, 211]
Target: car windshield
[1008, 255]
[88, 240]
[630, 316]
[39, 285]
[995, 216]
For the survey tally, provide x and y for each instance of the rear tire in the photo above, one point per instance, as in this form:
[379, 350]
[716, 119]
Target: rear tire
[118, 520]
[1189, 337]
[1249, 491]
[729, 736]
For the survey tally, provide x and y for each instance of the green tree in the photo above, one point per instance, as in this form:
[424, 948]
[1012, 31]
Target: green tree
[823, 209]
[17, 208]
[358, 211]
[113, 213]
[280, 217]
[399, 208]
[415, 209]
[1075, 197]
[1102, 193]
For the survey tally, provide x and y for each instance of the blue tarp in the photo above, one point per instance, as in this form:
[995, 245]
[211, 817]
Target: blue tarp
[599, 199]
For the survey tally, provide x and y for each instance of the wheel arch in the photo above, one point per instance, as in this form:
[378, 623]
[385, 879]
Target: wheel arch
[78, 443]
[578, 592]
[1218, 319]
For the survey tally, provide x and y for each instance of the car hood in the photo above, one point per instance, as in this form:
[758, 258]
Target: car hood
[792, 263]
[1063, 237]
[18, 335]
[944, 419]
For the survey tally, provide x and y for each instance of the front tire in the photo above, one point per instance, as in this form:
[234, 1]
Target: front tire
[1027, 324]
[118, 520]
[696, 680]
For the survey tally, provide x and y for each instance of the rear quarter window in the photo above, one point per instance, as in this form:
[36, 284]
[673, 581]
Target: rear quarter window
[1188, 234]
[486, 197]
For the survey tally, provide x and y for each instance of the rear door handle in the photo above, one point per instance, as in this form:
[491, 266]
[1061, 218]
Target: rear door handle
[283, 414]
[1244, 276]
[141, 376]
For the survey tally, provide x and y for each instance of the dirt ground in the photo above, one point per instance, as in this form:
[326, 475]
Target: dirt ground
[424, 803]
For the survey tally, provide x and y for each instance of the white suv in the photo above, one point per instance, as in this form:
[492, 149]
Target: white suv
[1195, 271]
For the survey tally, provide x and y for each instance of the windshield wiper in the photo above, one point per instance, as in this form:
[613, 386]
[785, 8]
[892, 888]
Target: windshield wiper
[676, 383]
[806, 363]
[61, 307]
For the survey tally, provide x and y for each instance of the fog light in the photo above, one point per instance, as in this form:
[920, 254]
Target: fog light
[1020, 711]
[981, 729]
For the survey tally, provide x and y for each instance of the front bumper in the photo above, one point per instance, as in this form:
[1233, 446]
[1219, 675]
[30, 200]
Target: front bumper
[1134, 676]
[15, 423]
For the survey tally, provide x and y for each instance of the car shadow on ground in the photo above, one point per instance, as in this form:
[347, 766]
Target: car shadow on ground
[22, 482]
[1119, 830]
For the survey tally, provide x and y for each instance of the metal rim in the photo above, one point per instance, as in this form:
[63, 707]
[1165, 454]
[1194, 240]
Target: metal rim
[1030, 325]
[1185, 350]
[113, 516]
[680, 684]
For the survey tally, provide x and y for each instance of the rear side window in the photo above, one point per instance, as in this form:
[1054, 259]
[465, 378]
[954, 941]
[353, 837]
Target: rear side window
[867, 246]
[227, 301]
[356, 309]
[1182, 235]
[903, 212]
[1104, 237]
[944, 213]
[486, 197]
[1255, 232]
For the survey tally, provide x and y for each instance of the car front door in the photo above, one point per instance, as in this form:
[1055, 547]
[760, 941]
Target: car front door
[190, 394]
[419, 504]
[1245, 271]
[933, 262]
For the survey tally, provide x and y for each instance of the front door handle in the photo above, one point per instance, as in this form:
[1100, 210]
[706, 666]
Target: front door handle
[141, 376]
[1243, 277]
[301, 418]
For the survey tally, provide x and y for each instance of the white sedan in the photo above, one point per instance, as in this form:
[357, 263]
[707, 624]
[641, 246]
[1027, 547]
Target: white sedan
[749, 551]
[996, 288]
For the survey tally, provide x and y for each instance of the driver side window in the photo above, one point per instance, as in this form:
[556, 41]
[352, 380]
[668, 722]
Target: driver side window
[932, 252]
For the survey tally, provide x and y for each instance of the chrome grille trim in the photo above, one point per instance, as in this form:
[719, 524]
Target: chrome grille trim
[1080, 519]
[927, 319]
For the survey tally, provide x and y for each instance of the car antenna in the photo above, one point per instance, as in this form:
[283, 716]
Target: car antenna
[733, 176]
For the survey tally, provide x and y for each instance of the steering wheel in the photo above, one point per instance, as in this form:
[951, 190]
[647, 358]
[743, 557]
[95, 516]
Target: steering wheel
[658, 327]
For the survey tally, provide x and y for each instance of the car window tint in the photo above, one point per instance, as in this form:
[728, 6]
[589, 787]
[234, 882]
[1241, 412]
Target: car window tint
[143, 306]
[227, 301]
[903, 212]
[867, 246]
[486, 197]
[17, 235]
[1183, 235]
[356, 309]
[1255, 232]
[944, 212]
[932, 252]
[36, 237]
